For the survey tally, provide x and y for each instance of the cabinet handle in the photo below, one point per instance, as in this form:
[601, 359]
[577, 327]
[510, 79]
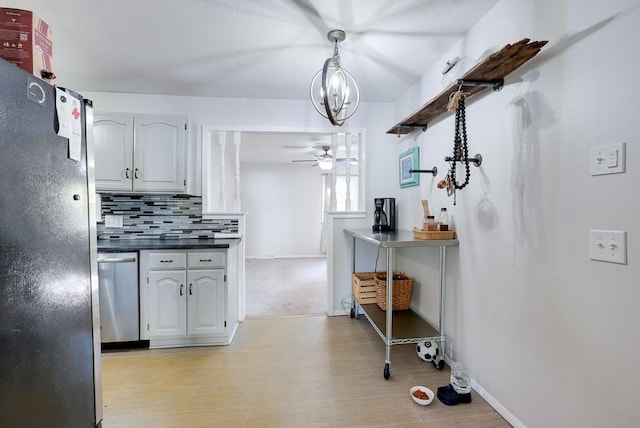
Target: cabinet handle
[205, 260]
[135, 173]
[166, 261]
[181, 287]
[127, 173]
[190, 291]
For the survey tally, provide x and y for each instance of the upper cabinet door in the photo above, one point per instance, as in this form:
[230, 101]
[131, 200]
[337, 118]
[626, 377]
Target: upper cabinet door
[113, 142]
[159, 154]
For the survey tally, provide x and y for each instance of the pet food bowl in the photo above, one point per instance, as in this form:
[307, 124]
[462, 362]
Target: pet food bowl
[425, 390]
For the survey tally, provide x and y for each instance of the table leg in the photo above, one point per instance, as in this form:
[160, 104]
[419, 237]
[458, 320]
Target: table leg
[389, 314]
[443, 277]
[354, 308]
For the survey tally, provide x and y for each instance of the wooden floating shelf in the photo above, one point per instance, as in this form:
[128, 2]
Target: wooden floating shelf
[492, 70]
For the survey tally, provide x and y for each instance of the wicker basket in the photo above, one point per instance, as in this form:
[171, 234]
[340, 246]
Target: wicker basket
[402, 289]
[364, 287]
[433, 234]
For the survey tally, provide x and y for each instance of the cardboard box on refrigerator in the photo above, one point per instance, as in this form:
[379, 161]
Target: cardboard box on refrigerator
[26, 41]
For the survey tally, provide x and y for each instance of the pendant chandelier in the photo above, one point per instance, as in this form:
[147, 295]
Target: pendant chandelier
[334, 91]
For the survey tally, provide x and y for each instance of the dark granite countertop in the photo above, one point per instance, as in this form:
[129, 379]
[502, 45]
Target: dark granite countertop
[124, 245]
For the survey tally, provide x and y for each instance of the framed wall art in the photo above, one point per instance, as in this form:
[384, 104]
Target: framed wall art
[409, 160]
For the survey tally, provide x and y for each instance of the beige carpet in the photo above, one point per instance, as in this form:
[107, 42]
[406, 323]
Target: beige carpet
[286, 287]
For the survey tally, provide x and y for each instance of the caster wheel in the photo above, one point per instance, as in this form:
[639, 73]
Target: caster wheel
[387, 371]
[352, 314]
[439, 365]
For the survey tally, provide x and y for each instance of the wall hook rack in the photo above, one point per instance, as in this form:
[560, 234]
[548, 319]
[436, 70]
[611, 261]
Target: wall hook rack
[476, 160]
[433, 171]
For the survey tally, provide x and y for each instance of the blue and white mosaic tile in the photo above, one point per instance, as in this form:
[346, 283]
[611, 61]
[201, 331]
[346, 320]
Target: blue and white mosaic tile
[160, 217]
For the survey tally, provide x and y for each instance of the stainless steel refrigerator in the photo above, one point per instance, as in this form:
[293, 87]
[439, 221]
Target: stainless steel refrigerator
[49, 339]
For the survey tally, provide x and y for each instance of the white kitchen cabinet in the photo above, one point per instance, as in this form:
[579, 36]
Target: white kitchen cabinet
[205, 302]
[140, 153]
[113, 145]
[185, 298]
[167, 304]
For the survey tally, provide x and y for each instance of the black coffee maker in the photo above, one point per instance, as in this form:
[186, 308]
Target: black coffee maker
[384, 217]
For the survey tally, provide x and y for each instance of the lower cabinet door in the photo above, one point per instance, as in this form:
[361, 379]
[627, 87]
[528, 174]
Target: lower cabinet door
[167, 294]
[205, 308]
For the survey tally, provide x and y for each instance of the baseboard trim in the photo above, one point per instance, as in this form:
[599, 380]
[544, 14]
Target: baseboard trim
[492, 401]
[503, 411]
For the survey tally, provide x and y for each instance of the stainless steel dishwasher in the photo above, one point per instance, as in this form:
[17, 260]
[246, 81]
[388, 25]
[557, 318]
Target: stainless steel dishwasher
[119, 297]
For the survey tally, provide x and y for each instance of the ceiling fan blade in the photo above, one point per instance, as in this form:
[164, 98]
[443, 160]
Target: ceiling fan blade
[353, 161]
[315, 162]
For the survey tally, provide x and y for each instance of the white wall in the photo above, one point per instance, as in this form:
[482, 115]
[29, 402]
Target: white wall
[340, 260]
[283, 206]
[549, 335]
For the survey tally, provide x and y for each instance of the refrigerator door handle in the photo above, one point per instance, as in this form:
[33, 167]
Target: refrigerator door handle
[116, 260]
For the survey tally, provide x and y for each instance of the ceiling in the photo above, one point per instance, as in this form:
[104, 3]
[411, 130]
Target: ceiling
[248, 48]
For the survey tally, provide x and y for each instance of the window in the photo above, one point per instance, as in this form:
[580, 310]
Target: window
[346, 176]
[341, 193]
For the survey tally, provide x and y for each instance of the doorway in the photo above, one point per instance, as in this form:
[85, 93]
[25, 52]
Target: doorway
[281, 186]
[277, 178]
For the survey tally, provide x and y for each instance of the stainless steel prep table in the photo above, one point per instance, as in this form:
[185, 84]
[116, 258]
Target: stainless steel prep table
[410, 328]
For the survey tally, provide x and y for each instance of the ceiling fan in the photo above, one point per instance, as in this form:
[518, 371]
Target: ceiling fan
[324, 160]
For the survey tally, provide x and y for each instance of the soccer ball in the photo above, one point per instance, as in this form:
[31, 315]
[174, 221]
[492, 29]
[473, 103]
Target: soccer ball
[429, 351]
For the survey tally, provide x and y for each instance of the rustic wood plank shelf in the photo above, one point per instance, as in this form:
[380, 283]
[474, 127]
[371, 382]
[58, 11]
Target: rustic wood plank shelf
[488, 73]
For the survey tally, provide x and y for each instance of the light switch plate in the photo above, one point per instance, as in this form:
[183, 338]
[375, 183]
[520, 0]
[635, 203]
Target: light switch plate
[608, 246]
[608, 159]
[113, 221]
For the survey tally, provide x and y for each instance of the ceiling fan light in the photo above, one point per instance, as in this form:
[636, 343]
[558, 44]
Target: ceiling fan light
[325, 164]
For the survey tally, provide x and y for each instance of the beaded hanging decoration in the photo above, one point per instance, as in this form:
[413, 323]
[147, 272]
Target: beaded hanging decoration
[460, 144]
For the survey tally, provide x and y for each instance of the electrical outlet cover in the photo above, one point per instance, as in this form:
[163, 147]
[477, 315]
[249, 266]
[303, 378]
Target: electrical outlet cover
[608, 246]
[608, 159]
[113, 221]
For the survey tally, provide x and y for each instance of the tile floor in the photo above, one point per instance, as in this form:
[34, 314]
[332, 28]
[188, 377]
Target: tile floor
[312, 371]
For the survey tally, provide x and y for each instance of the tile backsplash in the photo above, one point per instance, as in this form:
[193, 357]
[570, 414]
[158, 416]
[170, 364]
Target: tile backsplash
[159, 217]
